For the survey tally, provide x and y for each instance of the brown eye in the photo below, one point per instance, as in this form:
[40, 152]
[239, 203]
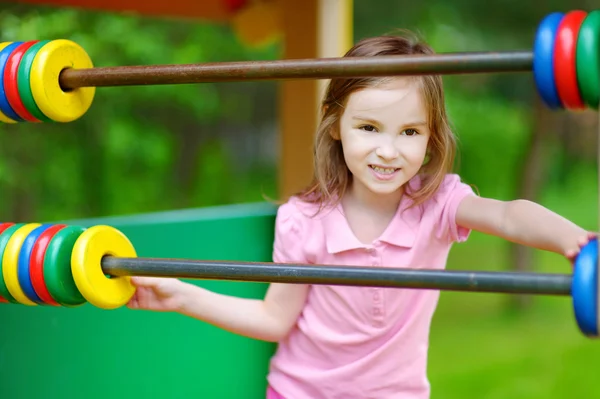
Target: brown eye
[410, 132]
[368, 128]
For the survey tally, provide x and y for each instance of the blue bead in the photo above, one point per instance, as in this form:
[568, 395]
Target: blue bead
[585, 289]
[5, 106]
[543, 64]
[23, 273]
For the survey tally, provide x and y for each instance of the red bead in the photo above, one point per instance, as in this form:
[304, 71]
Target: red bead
[10, 81]
[565, 69]
[36, 264]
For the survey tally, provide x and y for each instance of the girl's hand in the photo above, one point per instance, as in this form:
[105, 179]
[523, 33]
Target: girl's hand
[156, 293]
[572, 254]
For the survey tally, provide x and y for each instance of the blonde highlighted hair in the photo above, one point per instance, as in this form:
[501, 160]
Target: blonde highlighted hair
[331, 175]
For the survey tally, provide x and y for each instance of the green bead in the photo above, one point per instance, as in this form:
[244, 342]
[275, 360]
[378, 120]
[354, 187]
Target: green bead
[588, 59]
[23, 82]
[57, 267]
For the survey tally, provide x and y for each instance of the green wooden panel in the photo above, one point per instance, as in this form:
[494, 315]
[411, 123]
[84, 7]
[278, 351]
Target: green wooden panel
[92, 353]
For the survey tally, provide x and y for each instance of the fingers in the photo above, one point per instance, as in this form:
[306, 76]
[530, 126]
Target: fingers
[141, 284]
[151, 293]
[149, 282]
[582, 241]
[133, 302]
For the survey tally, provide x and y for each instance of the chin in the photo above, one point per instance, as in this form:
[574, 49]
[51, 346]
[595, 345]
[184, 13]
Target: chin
[386, 189]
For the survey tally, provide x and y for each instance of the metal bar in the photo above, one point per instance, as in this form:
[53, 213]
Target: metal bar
[320, 68]
[477, 281]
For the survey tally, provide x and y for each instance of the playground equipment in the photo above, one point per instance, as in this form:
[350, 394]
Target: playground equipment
[54, 80]
[64, 265]
[52, 264]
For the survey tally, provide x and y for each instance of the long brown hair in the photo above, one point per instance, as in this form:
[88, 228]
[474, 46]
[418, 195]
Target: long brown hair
[331, 175]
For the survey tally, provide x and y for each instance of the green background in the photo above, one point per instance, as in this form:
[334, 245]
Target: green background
[86, 352]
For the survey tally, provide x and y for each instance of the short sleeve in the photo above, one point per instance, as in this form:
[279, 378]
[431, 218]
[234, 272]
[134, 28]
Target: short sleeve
[451, 193]
[289, 241]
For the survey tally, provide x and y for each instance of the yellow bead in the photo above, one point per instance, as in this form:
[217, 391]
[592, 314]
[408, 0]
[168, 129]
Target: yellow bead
[91, 246]
[10, 263]
[4, 118]
[52, 100]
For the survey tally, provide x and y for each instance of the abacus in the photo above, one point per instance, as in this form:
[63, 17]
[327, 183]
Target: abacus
[65, 265]
[60, 265]
[55, 80]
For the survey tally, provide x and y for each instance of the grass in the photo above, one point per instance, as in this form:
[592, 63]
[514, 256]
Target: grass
[478, 350]
[482, 348]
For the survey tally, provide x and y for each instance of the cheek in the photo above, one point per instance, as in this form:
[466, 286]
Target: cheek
[355, 149]
[415, 152]
[352, 158]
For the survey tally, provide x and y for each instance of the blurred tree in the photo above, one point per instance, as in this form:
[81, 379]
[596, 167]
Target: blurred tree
[138, 149]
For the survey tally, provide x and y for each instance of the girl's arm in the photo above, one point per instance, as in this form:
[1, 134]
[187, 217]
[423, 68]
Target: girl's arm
[269, 320]
[523, 222]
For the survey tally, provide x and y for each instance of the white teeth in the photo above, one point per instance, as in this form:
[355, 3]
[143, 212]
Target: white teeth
[383, 170]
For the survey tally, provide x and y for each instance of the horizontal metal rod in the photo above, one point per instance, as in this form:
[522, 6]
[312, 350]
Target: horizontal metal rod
[450, 280]
[319, 68]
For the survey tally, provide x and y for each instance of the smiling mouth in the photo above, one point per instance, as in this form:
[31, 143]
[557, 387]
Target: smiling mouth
[382, 170]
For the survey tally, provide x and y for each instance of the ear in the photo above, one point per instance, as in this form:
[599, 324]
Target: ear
[334, 133]
[427, 157]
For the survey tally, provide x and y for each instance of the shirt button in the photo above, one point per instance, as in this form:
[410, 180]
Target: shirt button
[376, 296]
[377, 311]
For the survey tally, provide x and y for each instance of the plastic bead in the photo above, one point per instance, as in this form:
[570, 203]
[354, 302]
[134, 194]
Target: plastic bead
[100, 290]
[36, 265]
[24, 261]
[3, 117]
[5, 107]
[543, 60]
[57, 267]
[4, 226]
[588, 59]
[23, 79]
[565, 70]
[10, 262]
[4, 238]
[50, 60]
[10, 81]
[585, 289]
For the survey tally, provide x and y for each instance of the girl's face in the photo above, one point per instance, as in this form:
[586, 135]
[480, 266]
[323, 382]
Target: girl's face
[384, 135]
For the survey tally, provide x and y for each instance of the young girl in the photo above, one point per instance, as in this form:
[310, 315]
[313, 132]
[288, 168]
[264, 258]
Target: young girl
[382, 195]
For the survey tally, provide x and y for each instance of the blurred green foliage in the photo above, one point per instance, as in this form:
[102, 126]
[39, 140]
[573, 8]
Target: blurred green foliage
[141, 148]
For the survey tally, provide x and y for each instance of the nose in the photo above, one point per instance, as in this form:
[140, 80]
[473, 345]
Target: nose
[387, 151]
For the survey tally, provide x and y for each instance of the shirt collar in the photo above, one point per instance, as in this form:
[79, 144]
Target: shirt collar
[400, 232]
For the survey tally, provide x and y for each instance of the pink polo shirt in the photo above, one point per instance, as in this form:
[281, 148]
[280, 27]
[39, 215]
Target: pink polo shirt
[363, 342]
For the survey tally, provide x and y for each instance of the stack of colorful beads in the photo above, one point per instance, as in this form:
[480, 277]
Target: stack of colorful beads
[30, 90]
[60, 265]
